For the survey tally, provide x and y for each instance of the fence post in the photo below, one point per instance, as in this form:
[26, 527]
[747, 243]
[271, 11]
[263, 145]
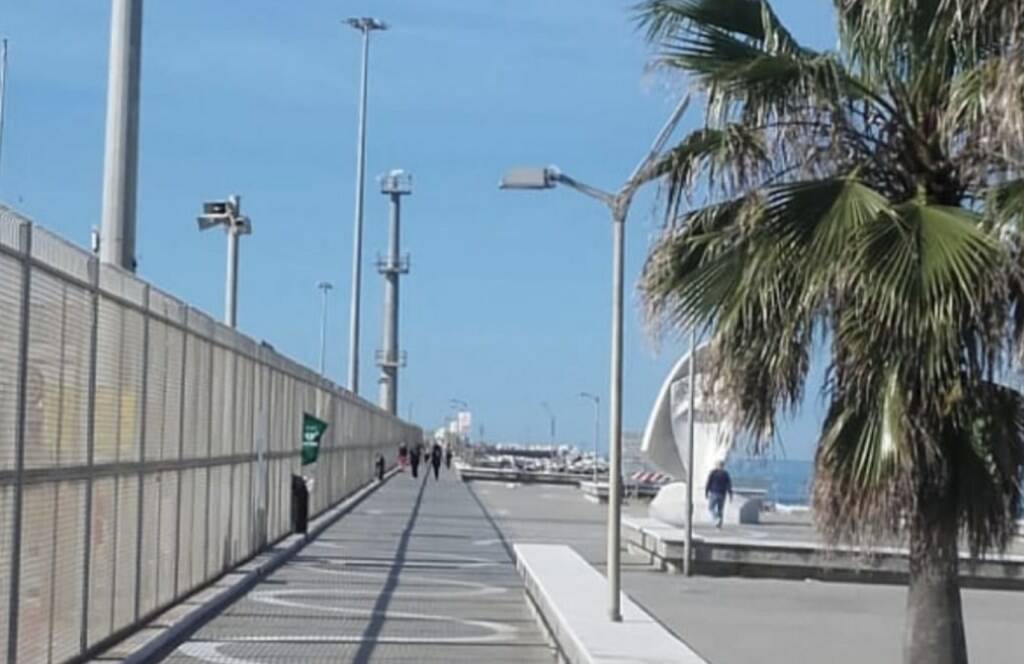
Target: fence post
[143, 407]
[90, 442]
[25, 240]
[181, 451]
[209, 455]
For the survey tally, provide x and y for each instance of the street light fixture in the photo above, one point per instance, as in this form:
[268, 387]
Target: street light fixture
[365, 25]
[597, 424]
[228, 214]
[618, 204]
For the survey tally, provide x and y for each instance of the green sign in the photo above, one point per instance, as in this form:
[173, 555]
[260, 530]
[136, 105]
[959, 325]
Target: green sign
[312, 430]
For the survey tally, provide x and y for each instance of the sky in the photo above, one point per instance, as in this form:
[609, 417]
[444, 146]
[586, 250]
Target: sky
[508, 302]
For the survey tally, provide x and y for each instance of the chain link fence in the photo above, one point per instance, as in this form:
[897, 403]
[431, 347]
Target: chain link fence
[145, 448]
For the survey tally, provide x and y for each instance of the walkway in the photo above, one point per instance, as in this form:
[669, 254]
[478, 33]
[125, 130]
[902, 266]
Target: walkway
[416, 573]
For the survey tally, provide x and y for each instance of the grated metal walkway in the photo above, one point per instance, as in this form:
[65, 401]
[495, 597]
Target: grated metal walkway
[416, 573]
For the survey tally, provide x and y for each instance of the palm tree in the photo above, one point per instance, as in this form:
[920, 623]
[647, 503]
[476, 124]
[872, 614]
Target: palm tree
[864, 204]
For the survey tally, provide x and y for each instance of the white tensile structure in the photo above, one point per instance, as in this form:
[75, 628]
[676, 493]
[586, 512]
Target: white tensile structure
[666, 437]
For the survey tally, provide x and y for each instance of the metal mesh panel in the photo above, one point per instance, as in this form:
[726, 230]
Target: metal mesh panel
[198, 527]
[10, 315]
[148, 575]
[101, 568]
[125, 550]
[6, 509]
[57, 378]
[186, 533]
[59, 253]
[161, 394]
[166, 527]
[197, 398]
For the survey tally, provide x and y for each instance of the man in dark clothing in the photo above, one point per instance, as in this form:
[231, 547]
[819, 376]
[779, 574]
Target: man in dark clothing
[448, 457]
[719, 484]
[435, 459]
[414, 460]
[380, 467]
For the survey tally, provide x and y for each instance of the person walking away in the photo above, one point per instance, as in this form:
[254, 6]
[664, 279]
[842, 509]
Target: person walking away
[719, 485]
[414, 460]
[403, 455]
[380, 467]
[435, 459]
[448, 457]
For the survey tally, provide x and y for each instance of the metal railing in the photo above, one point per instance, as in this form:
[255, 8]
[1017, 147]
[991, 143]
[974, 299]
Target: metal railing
[145, 448]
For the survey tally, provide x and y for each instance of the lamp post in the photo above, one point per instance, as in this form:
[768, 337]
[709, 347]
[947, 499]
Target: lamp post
[551, 420]
[597, 424]
[618, 205]
[366, 26]
[325, 288]
[228, 214]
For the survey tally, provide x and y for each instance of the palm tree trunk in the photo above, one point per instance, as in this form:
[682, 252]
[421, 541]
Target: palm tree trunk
[935, 623]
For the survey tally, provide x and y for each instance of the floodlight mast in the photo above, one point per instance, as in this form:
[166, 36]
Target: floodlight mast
[228, 214]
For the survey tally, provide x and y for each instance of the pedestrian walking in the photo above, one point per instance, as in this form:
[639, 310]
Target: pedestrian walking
[448, 457]
[403, 455]
[435, 460]
[719, 485]
[414, 460]
[380, 467]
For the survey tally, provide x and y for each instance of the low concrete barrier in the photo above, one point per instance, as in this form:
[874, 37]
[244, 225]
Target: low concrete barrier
[729, 556]
[473, 473]
[571, 598]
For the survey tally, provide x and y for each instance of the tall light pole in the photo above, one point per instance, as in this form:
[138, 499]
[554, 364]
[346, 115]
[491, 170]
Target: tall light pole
[121, 154]
[366, 26]
[325, 288]
[3, 95]
[394, 185]
[551, 419]
[597, 424]
[688, 560]
[228, 214]
[618, 204]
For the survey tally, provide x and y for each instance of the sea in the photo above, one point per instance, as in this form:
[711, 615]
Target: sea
[787, 481]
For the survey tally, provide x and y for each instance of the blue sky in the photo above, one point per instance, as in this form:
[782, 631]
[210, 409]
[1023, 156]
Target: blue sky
[507, 305]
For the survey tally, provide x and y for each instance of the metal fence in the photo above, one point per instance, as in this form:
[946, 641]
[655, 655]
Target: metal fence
[144, 448]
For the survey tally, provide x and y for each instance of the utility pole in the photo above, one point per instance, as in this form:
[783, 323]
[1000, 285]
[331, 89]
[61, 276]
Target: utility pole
[366, 26]
[395, 185]
[325, 287]
[121, 158]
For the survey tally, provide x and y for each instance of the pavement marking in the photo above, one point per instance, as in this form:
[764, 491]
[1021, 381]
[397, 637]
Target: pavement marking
[496, 631]
[476, 589]
[208, 651]
[486, 542]
[454, 560]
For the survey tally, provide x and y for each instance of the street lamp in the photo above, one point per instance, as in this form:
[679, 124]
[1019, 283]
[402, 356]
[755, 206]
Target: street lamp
[228, 214]
[325, 288]
[366, 26]
[618, 204]
[551, 419]
[597, 424]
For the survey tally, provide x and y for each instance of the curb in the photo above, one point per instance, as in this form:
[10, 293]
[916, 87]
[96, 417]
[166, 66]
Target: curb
[166, 642]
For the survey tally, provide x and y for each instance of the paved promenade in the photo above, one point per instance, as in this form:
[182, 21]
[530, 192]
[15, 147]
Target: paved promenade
[753, 621]
[416, 573]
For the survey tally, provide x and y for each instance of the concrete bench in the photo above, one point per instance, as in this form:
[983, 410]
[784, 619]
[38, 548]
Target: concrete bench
[572, 599]
[722, 555]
